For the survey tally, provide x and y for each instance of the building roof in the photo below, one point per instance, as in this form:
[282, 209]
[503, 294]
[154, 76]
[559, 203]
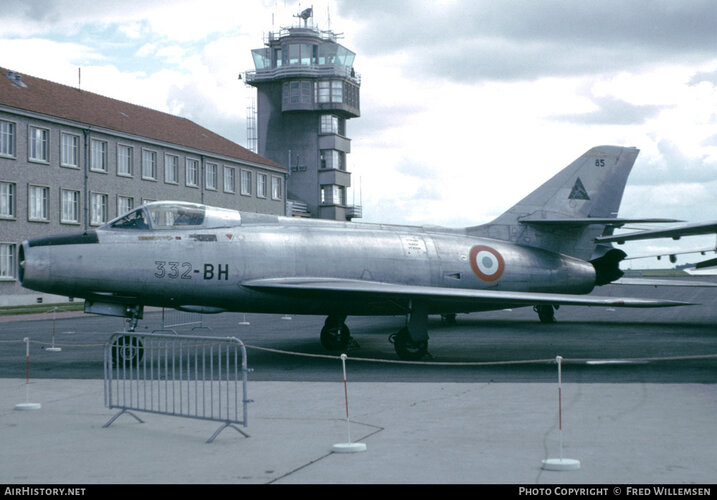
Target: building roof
[49, 98]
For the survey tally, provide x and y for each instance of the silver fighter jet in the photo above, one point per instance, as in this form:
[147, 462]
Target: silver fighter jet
[540, 253]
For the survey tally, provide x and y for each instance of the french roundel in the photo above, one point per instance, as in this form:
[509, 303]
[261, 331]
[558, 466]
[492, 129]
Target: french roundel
[487, 263]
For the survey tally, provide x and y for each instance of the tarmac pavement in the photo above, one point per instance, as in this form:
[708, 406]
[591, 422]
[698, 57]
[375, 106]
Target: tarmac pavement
[415, 433]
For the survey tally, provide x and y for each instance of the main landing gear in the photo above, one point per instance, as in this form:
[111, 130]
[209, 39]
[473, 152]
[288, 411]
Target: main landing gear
[546, 313]
[406, 347]
[410, 342]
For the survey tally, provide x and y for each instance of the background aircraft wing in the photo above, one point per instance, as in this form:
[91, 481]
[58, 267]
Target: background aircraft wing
[664, 282]
[674, 232]
[677, 232]
[333, 288]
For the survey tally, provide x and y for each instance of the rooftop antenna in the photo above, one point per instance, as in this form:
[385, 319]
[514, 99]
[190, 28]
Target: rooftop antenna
[306, 14]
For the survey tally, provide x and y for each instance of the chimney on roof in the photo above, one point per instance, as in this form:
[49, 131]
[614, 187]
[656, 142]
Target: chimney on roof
[16, 79]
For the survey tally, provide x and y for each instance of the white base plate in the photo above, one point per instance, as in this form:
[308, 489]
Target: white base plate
[28, 406]
[348, 447]
[561, 464]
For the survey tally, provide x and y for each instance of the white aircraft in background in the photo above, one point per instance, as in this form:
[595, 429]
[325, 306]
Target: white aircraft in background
[706, 267]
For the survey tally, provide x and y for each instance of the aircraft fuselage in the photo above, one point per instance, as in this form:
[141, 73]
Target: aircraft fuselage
[205, 268]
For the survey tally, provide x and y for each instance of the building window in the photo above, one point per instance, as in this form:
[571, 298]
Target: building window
[7, 139]
[70, 209]
[337, 94]
[149, 165]
[298, 92]
[7, 261]
[332, 194]
[351, 96]
[39, 144]
[70, 150]
[98, 156]
[124, 204]
[276, 193]
[246, 182]
[301, 53]
[329, 124]
[324, 91]
[277, 57]
[229, 180]
[125, 162]
[331, 91]
[99, 209]
[7, 200]
[171, 169]
[261, 185]
[39, 203]
[192, 173]
[333, 159]
[211, 176]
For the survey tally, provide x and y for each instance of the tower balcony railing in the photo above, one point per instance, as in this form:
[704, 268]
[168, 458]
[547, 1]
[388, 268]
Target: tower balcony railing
[313, 31]
[303, 70]
[354, 212]
[296, 208]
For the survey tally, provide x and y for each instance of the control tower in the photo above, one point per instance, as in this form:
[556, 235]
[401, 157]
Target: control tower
[306, 91]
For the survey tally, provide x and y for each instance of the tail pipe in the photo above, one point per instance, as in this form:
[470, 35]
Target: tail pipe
[607, 267]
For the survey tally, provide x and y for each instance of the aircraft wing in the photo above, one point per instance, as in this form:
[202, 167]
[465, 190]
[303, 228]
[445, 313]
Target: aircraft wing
[607, 221]
[674, 233]
[356, 288]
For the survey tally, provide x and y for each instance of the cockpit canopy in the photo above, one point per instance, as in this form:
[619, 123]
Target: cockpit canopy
[176, 215]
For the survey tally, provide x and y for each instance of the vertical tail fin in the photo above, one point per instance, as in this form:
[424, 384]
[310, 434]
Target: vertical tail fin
[555, 216]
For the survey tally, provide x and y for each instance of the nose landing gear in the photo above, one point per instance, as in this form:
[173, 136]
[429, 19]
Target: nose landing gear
[335, 335]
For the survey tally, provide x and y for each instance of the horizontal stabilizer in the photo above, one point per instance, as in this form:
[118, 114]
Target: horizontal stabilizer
[460, 296]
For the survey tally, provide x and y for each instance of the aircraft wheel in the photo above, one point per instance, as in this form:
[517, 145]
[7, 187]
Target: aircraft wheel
[407, 348]
[127, 351]
[545, 313]
[335, 338]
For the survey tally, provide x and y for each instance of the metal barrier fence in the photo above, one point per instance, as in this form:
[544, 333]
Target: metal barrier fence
[180, 375]
[173, 318]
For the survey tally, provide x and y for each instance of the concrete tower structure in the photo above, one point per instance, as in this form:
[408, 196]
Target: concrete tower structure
[306, 91]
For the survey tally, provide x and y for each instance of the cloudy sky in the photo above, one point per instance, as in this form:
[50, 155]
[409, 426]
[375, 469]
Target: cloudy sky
[467, 105]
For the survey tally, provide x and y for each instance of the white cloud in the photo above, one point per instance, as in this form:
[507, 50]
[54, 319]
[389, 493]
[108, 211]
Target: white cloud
[466, 105]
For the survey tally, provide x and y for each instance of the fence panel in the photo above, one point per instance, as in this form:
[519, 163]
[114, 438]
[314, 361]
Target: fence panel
[179, 375]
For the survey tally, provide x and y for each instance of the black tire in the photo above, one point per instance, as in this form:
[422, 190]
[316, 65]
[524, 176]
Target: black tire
[335, 338]
[407, 348]
[546, 314]
[127, 351]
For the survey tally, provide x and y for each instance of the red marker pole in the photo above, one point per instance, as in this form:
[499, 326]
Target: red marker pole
[53, 348]
[27, 360]
[27, 405]
[559, 360]
[348, 447]
[560, 463]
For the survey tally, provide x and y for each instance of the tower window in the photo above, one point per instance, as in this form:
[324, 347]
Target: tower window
[298, 91]
[301, 53]
[331, 158]
[337, 94]
[329, 124]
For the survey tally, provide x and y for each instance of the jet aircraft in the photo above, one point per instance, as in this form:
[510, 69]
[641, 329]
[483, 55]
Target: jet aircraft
[676, 232]
[542, 253]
